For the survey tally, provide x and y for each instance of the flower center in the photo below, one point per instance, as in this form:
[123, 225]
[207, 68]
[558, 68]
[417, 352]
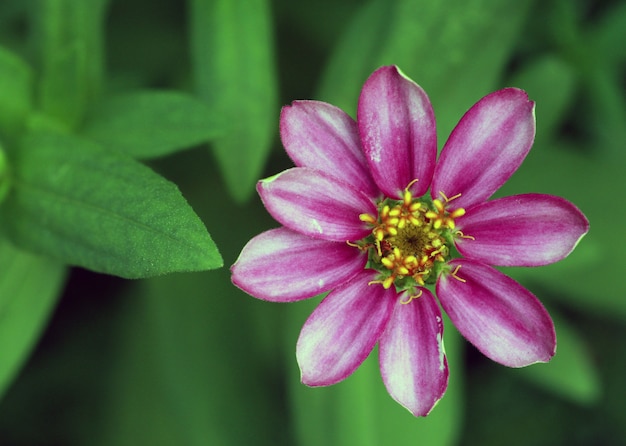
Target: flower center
[410, 240]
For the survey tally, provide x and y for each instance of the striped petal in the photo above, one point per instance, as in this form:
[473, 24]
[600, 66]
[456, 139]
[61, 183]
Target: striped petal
[343, 330]
[412, 358]
[283, 266]
[521, 230]
[316, 204]
[486, 147]
[397, 128]
[500, 317]
[323, 137]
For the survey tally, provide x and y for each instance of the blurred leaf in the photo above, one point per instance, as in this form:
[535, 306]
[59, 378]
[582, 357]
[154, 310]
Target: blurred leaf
[189, 372]
[86, 206]
[149, 124]
[29, 287]
[551, 83]
[15, 90]
[607, 31]
[69, 36]
[455, 52]
[233, 62]
[360, 411]
[590, 278]
[571, 373]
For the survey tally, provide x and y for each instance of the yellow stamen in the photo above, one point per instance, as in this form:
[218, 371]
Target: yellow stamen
[454, 274]
[414, 296]
[446, 199]
[460, 234]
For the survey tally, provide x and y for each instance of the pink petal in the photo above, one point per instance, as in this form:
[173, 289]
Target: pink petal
[500, 317]
[316, 204]
[412, 358]
[521, 230]
[283, 266]
[343, 330]
[323, 137]
[397, 128]
[486, 147]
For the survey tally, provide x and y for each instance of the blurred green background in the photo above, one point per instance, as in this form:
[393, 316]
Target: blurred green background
[186, 358]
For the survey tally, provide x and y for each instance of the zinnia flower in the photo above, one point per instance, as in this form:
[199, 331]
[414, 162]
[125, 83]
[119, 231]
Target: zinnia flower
[370, 215]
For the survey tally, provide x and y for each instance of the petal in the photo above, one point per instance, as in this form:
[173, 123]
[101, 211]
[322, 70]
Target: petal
[316, 204]
[412, 358]
[500, 317]
[521, 230]
[343, 330]
[284, 266]
[397, 128]
[323, 137]
[486, 147]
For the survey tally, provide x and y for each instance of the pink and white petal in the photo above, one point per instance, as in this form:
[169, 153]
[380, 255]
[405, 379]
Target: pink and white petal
[500, 317]
[316, 204]
[284, 266]
[323, 137]
[412, 357]
[486, 147]
[397, 127]
[343, 330]
[521, 230]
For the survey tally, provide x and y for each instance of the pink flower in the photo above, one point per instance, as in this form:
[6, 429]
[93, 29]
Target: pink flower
[359, 221]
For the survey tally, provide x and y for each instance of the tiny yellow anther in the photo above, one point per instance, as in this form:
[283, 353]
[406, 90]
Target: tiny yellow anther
[457, 213]
[439, 205]
[388, 282]
[367, 218]
[387, 262]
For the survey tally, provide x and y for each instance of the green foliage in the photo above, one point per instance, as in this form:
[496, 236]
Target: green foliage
[233, 63]
[189, 359]
[25, 304]
[78, 203]
[15, 84]
[151, 123]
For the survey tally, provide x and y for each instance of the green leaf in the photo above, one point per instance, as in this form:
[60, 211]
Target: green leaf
[359, 410]
[149, 124]
[456, 51]
[29, 287]
[571, 374]
[189, 371]
[86, 206]
[551, 83]
[233, 62]
[16, 91]
[69, 36]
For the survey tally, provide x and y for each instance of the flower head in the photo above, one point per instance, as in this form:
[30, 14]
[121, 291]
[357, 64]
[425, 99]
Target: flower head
[372, 216]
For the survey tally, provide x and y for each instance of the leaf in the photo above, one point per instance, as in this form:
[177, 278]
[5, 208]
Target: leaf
[16, 91]
[233, 63]
[571, 373]
[29, 288]
[189, 370]
[151, 123]
[552, 84]
[69, 36]
[456, 52]
[86, 206]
